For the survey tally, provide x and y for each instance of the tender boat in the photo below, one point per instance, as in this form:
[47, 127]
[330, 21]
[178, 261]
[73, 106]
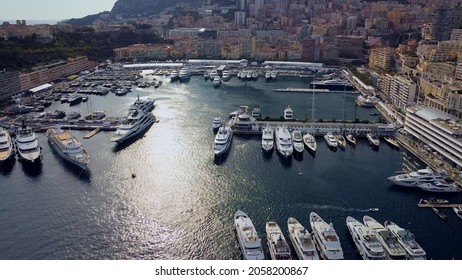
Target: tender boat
[407, 241]
[223, 140]
[277, 244]
[68, 146]
[389, 242]
[458, 211]
[366, 240]
[6, 145]
[288, 113]
[340, 140]
[27, 145]
[249, 242]
[267, 138]
[297, 141]
[310, 142]
[391, 141]
[256, 112]
[301, 240]
[136, 122]
[330, 140]
[416, 178]
[373, 140]
[439, 213]
[217, 123]
[445, 185]
[351, 139]
[326, 238]
[284, 141]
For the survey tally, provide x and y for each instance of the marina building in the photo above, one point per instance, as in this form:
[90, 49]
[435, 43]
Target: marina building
[9, 84]
[438, 130]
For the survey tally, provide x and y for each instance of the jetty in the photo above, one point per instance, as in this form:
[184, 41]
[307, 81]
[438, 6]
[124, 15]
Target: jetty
[92, 133]
[428, 204]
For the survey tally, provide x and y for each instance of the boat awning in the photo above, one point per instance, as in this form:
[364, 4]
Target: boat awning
[40, 88]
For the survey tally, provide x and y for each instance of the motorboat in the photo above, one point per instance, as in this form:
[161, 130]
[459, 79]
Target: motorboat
[268, 75]
[6, 145]
[284, 141]
[73, 115]
[445, 185]
[213, 74]
[458, 211]
[288, 113]
[297, 141]
[365, 240]
[254, 75]
[226, 76]
[310, 141]
[333, 84]
[256, 112]
[184, 74]
[217, 123]
[416, 178]
[27, 146]
[351, 139]
[373, 139]
[216, 82]
[223, 140]
[391, 141]
[274, 74]
[96, 115]
[134, 124]
[301, 240]
[206, 75]
[278, 247]
[326, 238]
[407, 241]
[439, 213]
[330, 140]
[121, 91]
[340, 140]
[74, 99]
[68, 146]
[389, 241]
[174, 76]
[267, 138]
[249, 242]
[145, 105]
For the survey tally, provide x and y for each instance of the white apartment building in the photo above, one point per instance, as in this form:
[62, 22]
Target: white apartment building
[402, 91]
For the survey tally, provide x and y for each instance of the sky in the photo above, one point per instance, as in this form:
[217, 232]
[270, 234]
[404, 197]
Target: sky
[52, 9]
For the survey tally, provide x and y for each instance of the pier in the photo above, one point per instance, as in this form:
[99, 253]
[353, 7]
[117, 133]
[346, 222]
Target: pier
[438, 205]
[92, 133]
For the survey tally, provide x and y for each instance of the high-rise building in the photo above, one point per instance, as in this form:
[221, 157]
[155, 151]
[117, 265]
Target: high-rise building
[259, 6]
[381, 58]
[446, 19]
[239, 18]
[352, 23]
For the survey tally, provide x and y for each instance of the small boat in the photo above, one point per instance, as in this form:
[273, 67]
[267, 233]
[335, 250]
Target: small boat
[288, 113]
[297, 141]
[249, 242]
[340, 140]
[330, 140]
[301, 240]
[373, 140]
[440, 214]
[267, 138]
[216, 82]
[458, 211]
[217, 123]
[373, 209]
[310, 142]
[351, 139]
[374, 114]
[256, 112]
[277, 244]
[437, 200]
[391, 141]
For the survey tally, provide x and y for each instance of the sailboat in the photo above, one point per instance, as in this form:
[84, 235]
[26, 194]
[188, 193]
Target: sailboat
[308, 138]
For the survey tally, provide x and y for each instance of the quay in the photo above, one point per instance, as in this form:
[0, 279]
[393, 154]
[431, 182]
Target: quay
[438, 205]
[300, 90]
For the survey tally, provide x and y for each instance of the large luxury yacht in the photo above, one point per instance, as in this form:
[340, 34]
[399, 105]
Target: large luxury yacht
[249, 242]
[68, 147]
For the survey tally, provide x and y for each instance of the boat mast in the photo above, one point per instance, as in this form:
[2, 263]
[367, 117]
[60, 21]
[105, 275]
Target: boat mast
[312, 104]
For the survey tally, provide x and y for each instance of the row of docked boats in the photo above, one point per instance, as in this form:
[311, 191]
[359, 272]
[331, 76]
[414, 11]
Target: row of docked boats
[426, 179]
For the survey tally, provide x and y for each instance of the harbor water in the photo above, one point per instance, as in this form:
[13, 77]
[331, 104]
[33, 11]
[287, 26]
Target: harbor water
[164, 196]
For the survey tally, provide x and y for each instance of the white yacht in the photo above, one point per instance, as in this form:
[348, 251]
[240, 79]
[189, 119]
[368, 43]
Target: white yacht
[226, 76]
[174, 76]
[213, 74]
[6, 145]
[389, 242]
[277, 244]
[373, 139]
[330, 140]
[284, 141]
[407, 241]
[27, 145]
[297, 141]
[216, 82]
[249, 242]
[445, 185]
[217, 123]
[254, 75]
[458, 211]
[301, 240]
[366, 240]
[268, 75]
[223, 140]
[288, 113]
[67, 146]
[145, 105]
[274, 74]
[416, 178]
[243, 121]
[351, 139]
[184, 74]
[340, 140]
[391, 141]
[326, 238]
[256, 112]
[135, 123]
[267, 138]
[310, 142]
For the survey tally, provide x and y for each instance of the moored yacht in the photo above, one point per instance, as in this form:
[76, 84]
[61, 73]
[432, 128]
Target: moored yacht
[340, 140]
[6, 145]
[407, 241]
[267, 138]
[268, 75]
[445, 185]
[288, 113]
[27, 145]
[174, 76]
[217, 123]
[184, 74]
[391, 141]
[68, 146]
[274, 74]
[330, 140]
[136, 122]
[256, 112]
[366, 240]
[389, 242]
[301, 240]
[216, 82]
[373, 140]
[145, 105]
[284, 141]
[243, 121]
[249, 242]
[310, 142]
[351, 139]
[277, 244]
[416, 178]
[297, 141]
[226, 76]
[223, 140]
[326, 238]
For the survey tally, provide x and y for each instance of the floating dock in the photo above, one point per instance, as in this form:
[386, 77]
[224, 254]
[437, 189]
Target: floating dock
[92, 133]
[423, 204]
